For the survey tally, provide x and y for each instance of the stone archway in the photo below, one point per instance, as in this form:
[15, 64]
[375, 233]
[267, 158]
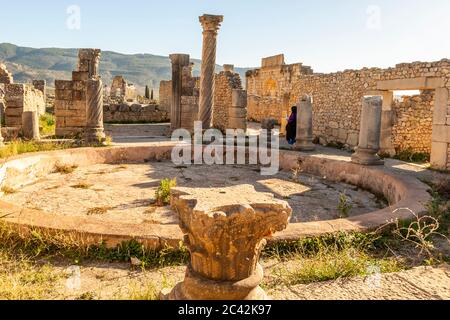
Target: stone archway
[440, 145]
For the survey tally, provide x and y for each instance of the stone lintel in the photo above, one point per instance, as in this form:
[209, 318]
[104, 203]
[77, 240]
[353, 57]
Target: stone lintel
[420, 83]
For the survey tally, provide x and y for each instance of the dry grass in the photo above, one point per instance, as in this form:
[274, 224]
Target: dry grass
[98, 211]
[326, 261]
[82, 185]
[22, 279]
[8, 190]
[64, 168]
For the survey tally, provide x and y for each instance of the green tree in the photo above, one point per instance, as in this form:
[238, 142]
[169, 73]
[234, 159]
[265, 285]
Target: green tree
[147, 92]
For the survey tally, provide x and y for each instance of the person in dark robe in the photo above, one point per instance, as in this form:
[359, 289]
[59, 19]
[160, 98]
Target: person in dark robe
[291, 128]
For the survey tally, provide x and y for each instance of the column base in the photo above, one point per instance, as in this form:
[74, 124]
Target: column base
[95, 136]
[367, 157]
[304, 146]
[195, 287]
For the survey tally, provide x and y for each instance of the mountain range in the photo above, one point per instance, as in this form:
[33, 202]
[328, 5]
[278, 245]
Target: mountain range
[52, 64]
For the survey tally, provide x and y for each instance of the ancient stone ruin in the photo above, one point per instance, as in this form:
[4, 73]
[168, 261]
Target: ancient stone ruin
[225, 231]
[122, 91]
[5, 76]
[20, 98]
[276, 86]
[71, 95]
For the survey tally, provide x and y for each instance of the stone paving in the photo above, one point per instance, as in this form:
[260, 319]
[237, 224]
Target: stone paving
[125, 192]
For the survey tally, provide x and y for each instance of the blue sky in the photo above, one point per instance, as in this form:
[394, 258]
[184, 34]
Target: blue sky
[329, 35]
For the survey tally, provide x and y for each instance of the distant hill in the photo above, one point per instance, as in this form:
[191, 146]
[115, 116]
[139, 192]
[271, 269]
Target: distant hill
[27, 64]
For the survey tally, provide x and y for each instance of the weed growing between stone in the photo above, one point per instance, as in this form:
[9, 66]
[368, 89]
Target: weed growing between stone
[162, 194]
[47, 125]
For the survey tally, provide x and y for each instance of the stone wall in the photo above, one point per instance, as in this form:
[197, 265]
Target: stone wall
[41, 85]
[225, 82]
[2, 104]
[413, 122]
[5, 76]
[269, 87]
[134, 113]
[337, 102]
[70, 95]
[190, 95]
[337, 96]
[70, 105]
[21, 98]
[165, 95]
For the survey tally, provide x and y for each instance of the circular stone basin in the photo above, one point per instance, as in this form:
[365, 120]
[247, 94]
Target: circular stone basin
[109, 196]
[126, 192]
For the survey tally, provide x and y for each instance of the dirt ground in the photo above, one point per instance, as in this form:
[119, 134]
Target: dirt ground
[121, 281]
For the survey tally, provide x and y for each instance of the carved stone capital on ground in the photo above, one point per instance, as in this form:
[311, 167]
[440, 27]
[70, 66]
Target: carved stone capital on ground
[225, 231]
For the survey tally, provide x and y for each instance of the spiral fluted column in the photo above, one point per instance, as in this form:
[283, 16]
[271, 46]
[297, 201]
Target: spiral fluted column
[211, 25]
[94, 106]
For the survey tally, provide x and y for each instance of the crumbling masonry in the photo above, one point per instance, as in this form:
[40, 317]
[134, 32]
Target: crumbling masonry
[337, 103]
[70, 96]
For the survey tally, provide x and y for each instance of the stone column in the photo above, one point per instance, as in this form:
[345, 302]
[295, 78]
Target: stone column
[369, 135]
[225, 231]
[1, 136]
[237, 116]
[179, 61]
[305, 125]
[211, 25]
[88, 61]
[386, 145]
[94, 132]
[30, 125]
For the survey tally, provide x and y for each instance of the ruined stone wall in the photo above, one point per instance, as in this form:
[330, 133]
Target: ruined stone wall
[121, 88]
[337, 98]
[134, 113]
[5, 76]
[70, 105]
[41, 85]
[165, 95]
[225, 82]
[269, 87]
[190, 95]
[2, 104]
[70, 96]
[21, 98]
[413, 122]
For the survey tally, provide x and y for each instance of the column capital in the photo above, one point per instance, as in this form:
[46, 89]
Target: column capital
[211, 22]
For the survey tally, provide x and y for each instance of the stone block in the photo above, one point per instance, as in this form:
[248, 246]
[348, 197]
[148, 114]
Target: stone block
[440, 106]
[79, 95]
[80, 75]
[62, 105]
[237, 112]
[441, 133]
[63, 85]
[76, 122]
[273, 61]
[65, 94]
[439, 156]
